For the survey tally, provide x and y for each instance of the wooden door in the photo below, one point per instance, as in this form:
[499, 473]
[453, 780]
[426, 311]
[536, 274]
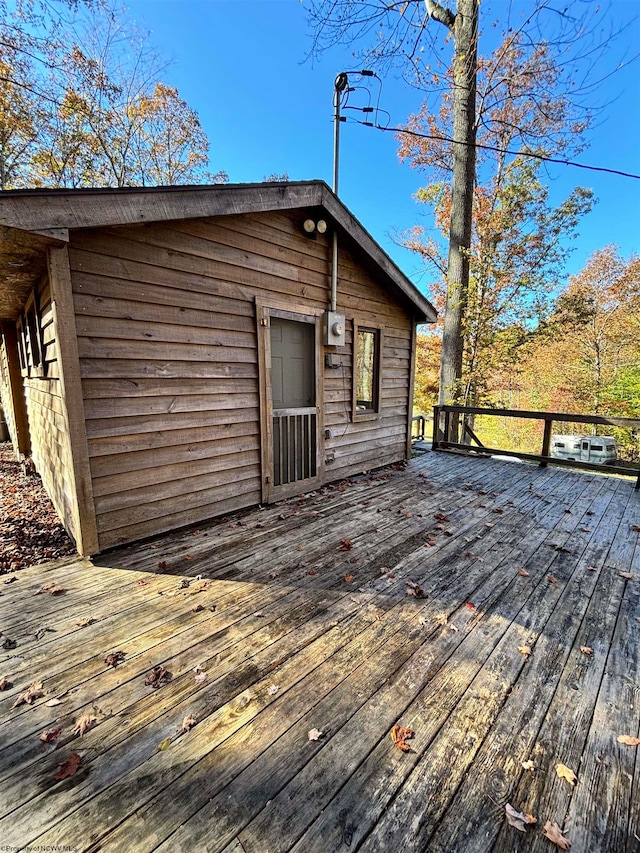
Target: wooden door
[292, 411]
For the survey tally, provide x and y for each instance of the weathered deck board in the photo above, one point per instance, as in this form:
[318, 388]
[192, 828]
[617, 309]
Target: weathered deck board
[351, 654]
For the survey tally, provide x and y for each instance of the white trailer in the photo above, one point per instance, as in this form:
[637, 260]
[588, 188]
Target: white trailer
[600, 449]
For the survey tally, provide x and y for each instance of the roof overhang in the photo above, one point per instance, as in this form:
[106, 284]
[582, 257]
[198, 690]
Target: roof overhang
[48, 215]
[23, 260]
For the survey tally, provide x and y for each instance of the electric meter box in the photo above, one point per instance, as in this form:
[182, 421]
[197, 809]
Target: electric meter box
[334, 329]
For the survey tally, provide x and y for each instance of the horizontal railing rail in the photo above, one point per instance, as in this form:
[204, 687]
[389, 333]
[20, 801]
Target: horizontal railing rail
[448, 421]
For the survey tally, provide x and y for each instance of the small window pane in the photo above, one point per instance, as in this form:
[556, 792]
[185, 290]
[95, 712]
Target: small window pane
[366, 366]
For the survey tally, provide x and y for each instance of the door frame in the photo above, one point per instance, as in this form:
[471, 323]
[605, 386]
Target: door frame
[286, 310]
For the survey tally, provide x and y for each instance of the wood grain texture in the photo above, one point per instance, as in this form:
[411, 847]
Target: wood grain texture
[291, 645]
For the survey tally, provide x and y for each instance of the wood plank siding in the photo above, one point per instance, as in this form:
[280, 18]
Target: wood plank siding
[48, 426]
[167, 341]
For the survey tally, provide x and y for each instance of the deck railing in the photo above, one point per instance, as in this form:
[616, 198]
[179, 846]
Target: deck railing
[450, 422]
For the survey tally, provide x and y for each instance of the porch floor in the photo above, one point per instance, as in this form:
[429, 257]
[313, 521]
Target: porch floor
[525, 649]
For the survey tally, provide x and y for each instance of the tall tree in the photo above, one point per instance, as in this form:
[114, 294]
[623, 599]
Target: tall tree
[570, 44]
[99, 112]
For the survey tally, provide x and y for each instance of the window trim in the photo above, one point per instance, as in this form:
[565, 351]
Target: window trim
[30, 338]
[375, 413]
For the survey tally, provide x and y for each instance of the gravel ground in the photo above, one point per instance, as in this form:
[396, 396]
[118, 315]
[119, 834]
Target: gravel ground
[30, 531]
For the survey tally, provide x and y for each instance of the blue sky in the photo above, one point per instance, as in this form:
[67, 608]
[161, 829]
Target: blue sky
[241, 65]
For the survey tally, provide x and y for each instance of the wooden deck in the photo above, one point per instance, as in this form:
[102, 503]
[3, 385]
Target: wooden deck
[296, 634]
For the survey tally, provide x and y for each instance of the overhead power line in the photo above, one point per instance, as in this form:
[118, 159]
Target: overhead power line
[542, 157]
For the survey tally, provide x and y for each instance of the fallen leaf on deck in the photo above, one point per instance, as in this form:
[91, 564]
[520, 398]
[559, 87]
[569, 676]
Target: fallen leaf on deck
[517, 819]
[415, 590]
[629, 740]
[565, 772]
[345, 544]
[273, 575]
[586, 650]
[51, 588]
[188, 557]
[50, 735]
[312, 572]
[84, 724]
[33, 692]
[8, 644]
[162, 564]
[523, 572]
[391, 575]
[626, 575]
[525, 650]
[528, 765]
[188, 723]
[5, 684]
[12, 579]
[273, 689]
[258, 613]
[470, 605]
[69, 768]
[400, 736]
[553, 832]
[315, 734]
[197, 608]
[158, 676]
[348, 578]
[592, 568]
[84, 623]
[383, 570]
[114, 658]
[585, 529]
[164, 744]
[53, 702]
[552, 579]
[635, 528]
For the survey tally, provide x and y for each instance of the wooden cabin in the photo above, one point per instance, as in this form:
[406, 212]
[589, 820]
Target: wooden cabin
[170, 354]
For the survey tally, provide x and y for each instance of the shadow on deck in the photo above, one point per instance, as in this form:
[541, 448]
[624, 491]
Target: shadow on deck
[522, 655]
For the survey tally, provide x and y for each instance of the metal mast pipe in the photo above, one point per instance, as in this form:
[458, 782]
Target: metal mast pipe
[340, 84]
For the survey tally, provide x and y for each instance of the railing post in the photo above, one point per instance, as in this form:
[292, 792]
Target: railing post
[436, 428]
[546, 442]
[447, 425]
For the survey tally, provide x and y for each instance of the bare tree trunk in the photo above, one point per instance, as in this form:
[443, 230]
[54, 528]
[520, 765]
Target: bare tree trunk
[465, 30]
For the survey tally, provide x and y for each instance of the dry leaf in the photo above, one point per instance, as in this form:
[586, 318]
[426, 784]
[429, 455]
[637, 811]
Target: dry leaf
[517, 819]
[586, 650]
[114, 658]
[523, 572]
[348, 578]
[528, 765]
[400, 736]
[158, 676]
[162, 564]
[84, 724]
[635, 528]
[592, 568]
[5, 684]
[84, 623]
[50, 735]
[345, 544]
[315, 734]
[553, 832]
[627, 575]
[415, 590]
[525, 650]
[69, 768]
[470, 605]
[629, 740]
[273, 689]
[312, 572]
[164, 744]
[53, 702]
[33, 692]
[565, 772]
[552, 579]
[197, 608]
[188, 723]
[143, 582]
[9, 644]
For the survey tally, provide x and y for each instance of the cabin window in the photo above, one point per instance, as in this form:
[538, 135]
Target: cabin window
[597, 447]
[367, 346]
[559, 444]
[611, 447]
[29, 333]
